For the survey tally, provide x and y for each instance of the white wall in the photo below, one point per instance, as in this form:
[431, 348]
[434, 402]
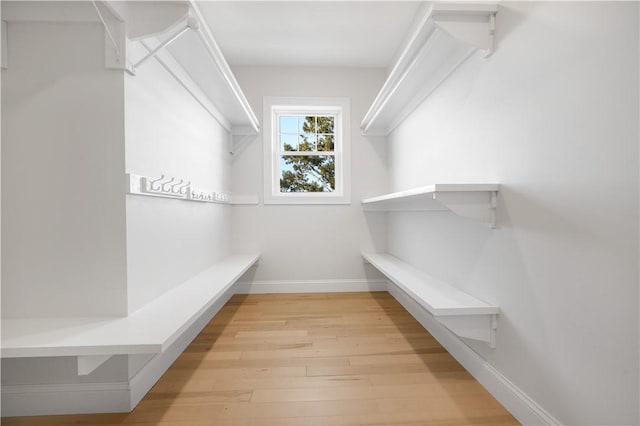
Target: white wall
[302, 242]
[168, 132]
[63, 211]
[553, 117]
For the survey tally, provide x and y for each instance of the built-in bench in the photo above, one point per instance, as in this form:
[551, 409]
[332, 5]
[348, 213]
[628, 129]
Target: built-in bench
[150, 330]
[460, 312]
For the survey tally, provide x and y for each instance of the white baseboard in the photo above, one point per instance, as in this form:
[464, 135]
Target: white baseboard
[310, 286]
[80, 398]
[90, 398]
[517, 402]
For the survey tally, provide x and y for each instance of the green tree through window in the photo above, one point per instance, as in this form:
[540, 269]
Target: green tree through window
[307, 161]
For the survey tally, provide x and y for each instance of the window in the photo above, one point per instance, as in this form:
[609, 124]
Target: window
[306, 154]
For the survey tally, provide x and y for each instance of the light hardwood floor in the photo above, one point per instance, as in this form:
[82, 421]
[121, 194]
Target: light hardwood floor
[309, 359]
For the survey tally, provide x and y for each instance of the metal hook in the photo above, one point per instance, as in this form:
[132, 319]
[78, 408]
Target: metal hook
[185, 188]
[164, 185]
[151, 182]
[173, 190]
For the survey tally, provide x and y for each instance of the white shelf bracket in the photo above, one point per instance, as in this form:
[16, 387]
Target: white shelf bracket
[473, 27]
[475, 327]
[472, 205]
[492, 32]
[88, 363]
[237, 143]
[190, 24]
[494, 328]
[115, 43]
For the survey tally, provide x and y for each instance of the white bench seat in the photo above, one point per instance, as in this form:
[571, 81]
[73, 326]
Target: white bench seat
[149, 330]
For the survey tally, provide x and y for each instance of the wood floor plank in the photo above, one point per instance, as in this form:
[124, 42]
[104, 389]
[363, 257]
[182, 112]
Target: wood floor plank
[308, 360]
[297, 409]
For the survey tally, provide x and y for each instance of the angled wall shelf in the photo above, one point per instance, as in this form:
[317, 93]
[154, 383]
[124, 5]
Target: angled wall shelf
[463, 314]
[445, 37]
[474, 201]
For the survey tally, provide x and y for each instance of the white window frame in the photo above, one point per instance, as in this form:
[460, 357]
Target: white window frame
[273, 107]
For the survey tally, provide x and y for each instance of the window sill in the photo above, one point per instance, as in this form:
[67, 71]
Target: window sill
[306, 200]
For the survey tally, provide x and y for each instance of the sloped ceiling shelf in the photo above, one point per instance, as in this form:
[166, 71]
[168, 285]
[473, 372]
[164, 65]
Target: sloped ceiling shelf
[474, 201]
[446, 36]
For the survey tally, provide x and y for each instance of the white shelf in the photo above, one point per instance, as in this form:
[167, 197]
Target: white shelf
[149, 330]
[178, 31]
[177, 36]
[462, 313]
[199, 55]
[447, 35]
[474, 201]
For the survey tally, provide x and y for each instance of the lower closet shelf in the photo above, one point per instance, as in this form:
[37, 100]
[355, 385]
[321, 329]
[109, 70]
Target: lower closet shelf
[460, 312]
[149, 330]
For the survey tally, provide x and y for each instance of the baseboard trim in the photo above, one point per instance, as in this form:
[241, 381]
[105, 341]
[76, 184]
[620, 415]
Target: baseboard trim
[58, 399]
[516, 401]
[310, 286]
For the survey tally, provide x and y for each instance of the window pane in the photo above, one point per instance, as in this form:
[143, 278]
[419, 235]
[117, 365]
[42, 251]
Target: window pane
[289, 142]
[308, 124]
[288, 124]
[326, 143]
[308, 142]
[307, 173]
[325, 124]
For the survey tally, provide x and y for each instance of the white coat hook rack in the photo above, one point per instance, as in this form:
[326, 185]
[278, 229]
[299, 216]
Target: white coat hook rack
[172, 187]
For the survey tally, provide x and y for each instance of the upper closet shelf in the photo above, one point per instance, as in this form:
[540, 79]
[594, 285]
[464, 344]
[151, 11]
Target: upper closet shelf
[177, 36]
[446, 35]
[474, 201]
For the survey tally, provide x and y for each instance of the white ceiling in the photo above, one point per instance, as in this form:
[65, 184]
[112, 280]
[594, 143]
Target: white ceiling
[310, 33]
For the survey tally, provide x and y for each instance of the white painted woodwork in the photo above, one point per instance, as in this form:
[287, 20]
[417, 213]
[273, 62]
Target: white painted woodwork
[310, 286]
[474, 201]
[199, 54]
[553, 117]
[88, 364]
[153, 23]
[118, 395]
[446, 36]
[178, 73]
[182, 190]
[340, 108]
[194, 48]
[514, 399]
[460, 312]
[150, 329]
